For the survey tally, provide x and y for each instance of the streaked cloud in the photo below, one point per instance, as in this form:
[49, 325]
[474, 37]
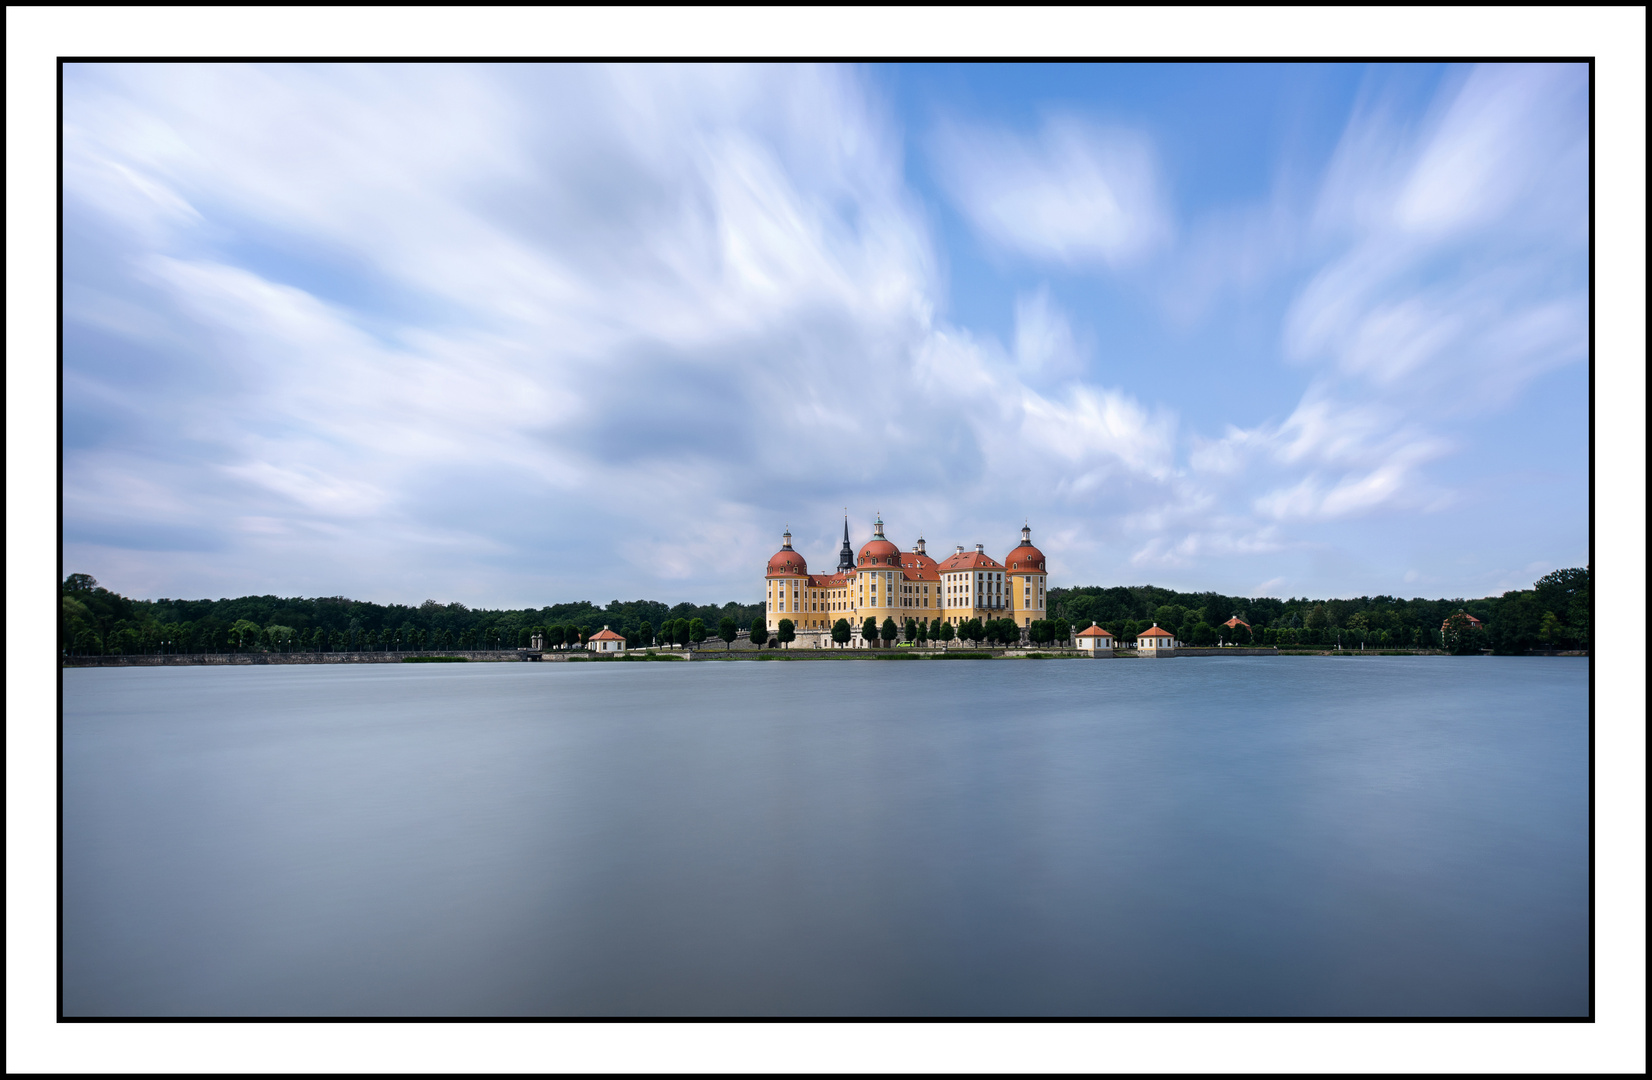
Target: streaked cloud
[1072, 193]
[511, 334]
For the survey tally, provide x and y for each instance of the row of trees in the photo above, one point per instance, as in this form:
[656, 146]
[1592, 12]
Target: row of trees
[1556, 613]
[93, 621]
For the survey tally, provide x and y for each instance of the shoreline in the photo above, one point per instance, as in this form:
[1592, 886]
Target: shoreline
[518, 656]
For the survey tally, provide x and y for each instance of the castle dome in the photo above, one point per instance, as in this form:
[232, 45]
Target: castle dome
[878, 551]
[787, 560]
[1026, 557]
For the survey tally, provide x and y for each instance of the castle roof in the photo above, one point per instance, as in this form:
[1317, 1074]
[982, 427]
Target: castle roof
[878, 552]
[1155, 632]
[1093, 631]
[920, 567]
[971, 560]
[787, 561]
[605, 634]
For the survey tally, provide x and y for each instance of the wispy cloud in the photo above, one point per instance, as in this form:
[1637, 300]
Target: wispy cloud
[1073, 193]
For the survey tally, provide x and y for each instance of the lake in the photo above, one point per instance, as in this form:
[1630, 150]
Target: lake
[1267, 836]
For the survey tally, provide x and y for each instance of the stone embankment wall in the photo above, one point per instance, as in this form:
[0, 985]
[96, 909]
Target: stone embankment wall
[1222, 652]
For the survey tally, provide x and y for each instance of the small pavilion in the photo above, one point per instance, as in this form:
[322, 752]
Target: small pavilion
[1095, 641]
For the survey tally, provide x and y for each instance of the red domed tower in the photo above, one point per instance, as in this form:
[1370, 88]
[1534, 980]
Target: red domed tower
[786, 582]
[1026, 571]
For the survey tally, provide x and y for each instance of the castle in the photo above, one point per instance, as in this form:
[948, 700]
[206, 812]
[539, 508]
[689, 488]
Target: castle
[883, 582]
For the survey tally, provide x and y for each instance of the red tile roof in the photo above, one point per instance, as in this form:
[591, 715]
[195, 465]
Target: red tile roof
[786, 562]
[605, 634]
[1093, 631]
[971, 560]
[1026, 559]
[1155, 632]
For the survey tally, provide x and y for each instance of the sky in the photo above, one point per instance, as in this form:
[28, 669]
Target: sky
[514, 335]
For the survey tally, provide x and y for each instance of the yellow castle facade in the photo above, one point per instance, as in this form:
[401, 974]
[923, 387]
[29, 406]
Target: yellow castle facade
[881, 581]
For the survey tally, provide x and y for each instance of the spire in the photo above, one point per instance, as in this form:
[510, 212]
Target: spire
[846, 555]
[877, 527]
[1026, 534]
[786, 539]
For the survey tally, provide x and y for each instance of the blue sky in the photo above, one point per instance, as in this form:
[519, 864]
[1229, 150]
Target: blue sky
[514, 335]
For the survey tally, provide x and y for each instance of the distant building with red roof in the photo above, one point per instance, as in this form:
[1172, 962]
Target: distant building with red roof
[605, 640]
[1095, 640]
[1155, 641]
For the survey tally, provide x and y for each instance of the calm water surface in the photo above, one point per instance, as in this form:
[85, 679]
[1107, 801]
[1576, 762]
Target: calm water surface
[1201, 836]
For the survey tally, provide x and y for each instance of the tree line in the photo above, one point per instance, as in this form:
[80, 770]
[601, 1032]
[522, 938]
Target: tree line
[1555, 613]
[96, 621]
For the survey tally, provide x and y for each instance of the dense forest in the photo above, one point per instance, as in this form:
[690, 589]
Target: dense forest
[1556, 613]
[97, 621]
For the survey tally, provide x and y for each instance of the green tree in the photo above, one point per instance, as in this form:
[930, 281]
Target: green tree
[645, 636]
[759, 632]
[80, 583]
[910, 630]
[728, 630]
[947, 632]
[1203, 634]
[889, 632]
[869, 632]
[243, 635]
[841, 633]
[696, 631]
[785, 632]
[923, 632]
[972, 631]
